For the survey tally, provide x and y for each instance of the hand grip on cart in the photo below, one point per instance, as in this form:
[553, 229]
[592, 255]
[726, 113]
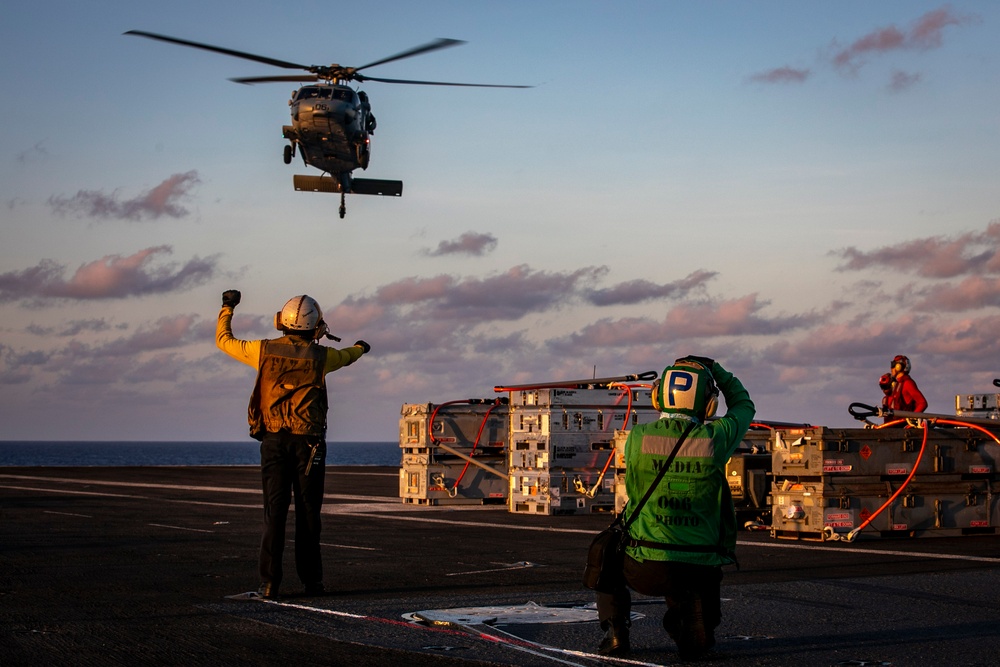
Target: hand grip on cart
[862, 412]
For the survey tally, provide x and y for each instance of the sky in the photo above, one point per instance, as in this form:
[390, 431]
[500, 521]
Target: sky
[800, 190]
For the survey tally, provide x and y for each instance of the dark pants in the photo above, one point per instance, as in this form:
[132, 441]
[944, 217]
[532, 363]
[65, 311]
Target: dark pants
[686, 588]
[284, 459]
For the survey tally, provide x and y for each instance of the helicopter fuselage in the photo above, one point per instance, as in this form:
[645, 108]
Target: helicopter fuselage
[331, 122]
[331, 128]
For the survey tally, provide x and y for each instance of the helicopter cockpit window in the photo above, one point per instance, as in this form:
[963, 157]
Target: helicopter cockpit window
[313, 92]
[341, 94]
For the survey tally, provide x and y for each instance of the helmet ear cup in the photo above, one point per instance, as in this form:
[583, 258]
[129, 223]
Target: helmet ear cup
[277, 321]
[655, 396]
[711, 407]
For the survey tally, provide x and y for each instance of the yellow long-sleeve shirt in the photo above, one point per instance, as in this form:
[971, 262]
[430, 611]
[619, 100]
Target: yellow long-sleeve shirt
[248, 351]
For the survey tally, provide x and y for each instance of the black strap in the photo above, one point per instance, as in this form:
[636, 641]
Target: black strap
[656, 482]
[696, 548]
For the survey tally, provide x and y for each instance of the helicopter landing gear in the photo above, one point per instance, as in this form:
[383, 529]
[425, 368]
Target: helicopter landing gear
[289, 153]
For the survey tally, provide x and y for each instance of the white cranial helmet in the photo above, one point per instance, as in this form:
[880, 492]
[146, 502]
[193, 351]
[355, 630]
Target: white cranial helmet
[300, 313]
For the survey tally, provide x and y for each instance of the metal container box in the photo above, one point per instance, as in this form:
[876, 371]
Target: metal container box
[884, 453]
[457, 426]
[579, 397]
[978, 405]
[435, 484]
[554, 492]
[564, 450]
[554, 421]
[823, 510]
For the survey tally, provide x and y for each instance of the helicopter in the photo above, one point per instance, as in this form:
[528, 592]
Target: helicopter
[332, 123]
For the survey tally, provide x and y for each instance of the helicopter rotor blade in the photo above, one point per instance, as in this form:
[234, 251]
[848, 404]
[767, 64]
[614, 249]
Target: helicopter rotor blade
[219, 49]
[295, 78]
[364, 78]
[440, 43]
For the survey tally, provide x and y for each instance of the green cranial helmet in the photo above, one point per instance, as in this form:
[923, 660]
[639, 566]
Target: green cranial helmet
[686, 388]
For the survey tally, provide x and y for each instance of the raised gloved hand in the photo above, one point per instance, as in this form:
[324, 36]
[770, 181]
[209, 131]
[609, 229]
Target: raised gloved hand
[364, 346]
[231, 298]
[707, 362]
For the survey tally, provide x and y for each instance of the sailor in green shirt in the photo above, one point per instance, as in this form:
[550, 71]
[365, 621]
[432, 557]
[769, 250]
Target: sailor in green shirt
[686, 531]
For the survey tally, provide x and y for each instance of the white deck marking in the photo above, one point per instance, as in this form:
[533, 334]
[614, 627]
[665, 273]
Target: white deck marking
[346, 546]
[82, 516]
[878, 552]
[193, 530]
[187, 487]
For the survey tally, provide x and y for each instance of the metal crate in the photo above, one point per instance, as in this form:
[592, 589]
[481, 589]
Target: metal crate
[435, 484]
[456, 426]
[554, 421]
[890, 452]
[829, 509]
[565, 450]
[603, 397]
[559, 492]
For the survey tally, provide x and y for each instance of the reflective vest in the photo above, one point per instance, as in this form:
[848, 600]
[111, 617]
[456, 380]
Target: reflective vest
[690, 517]
[290, 392]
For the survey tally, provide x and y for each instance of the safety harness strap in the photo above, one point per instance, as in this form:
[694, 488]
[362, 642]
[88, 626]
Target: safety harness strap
[699, 548]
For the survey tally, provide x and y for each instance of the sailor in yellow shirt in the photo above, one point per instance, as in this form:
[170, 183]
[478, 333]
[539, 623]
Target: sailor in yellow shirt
[287, 413]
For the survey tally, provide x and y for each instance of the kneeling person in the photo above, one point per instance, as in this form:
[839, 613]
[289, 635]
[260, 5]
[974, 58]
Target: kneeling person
[686, 531]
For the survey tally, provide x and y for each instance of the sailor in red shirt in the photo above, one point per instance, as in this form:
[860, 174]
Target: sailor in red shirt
[906, 395]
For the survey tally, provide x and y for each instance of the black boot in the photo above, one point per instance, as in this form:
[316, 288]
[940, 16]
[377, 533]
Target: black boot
[615, 640]
[685, 624]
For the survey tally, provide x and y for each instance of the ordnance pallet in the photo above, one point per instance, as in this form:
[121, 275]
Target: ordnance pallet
[455, 425]
[551, 492]
[561, 450]
[435, 484]
[817, 452]
[926, 507]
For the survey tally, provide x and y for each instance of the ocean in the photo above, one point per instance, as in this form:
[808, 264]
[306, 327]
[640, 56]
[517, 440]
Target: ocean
[247, 452]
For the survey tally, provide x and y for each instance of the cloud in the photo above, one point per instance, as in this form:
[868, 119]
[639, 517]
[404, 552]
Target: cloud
[75, 328]
[158, 202]
[469, 243]
[931, 257]
[926, 33]
[688, 322]
[970, 294]
[781, 75]
[637, 291]
[29, 154]
[504, 296]
[167, 332]
[111, 277]
[900, 81]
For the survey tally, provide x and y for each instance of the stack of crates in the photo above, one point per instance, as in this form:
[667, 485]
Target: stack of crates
[560, 443]
[430, 474]
[827, 482]
[747, 473]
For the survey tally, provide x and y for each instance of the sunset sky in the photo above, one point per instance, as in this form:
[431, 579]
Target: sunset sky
[799, 190]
